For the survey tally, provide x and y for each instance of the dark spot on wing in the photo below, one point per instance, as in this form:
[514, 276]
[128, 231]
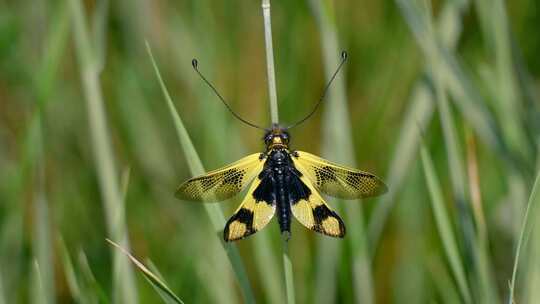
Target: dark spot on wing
[234, 177]
[324, 174]
[207, 183]
[321, 213]
[244, 216]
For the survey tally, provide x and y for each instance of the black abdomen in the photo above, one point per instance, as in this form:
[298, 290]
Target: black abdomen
[283, 206]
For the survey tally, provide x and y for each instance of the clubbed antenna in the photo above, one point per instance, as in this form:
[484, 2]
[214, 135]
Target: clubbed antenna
[195, 65]
[344, 57]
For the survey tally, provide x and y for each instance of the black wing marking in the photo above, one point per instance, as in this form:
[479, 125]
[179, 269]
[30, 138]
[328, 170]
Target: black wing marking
[254, 213]
[311, 210]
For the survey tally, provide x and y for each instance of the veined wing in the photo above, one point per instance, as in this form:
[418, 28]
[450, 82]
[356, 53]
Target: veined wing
[313, 212]
[254, 213]
[337, 180]
[222, 183]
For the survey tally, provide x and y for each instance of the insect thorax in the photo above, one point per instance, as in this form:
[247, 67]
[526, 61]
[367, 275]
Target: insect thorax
[279, 158]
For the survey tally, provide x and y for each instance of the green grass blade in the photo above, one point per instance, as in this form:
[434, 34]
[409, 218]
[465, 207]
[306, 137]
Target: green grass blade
[523, 236]
[444, 225]
[420, 113]
[45, 80]
[452, 145]
[82, 285]
[506, 99]
[458, 84]
[99, 32]
[38, 295]
[514, 109]
[532, 293]
[164, 295]
[94, 293]
[42, 79]
[69, 273]
[42, 238]
[484, 269]
[2, 294]
[104, 160]
[337, 132]
[289, 281]
[442, 280]
[269, 274]
[158, 284]
[475, 252]
[214, 211]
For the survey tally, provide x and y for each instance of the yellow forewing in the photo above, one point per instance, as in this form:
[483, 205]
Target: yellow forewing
[316, 215]
[222, 183]
[337, 180]
[250, 217]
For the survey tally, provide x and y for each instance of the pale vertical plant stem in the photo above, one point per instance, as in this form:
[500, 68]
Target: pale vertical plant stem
[272, 91]
[125, 291]
[196, 167]
[274, 114]
[287, 266]
[270, 275]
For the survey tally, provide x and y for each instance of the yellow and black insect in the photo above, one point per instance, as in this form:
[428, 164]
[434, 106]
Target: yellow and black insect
[281, 181]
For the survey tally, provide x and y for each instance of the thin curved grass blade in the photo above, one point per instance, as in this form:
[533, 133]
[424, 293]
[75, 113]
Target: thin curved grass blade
[195, 165]
[523, 237]
[162, 289]
[444, 226]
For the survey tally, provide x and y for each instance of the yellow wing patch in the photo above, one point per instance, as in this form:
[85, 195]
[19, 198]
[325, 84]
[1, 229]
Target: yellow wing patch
[336, 180]
[316, 215]
[250, 217]
[222, 183]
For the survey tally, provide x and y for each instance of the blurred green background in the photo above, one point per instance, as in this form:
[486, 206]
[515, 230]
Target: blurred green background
[457, 80]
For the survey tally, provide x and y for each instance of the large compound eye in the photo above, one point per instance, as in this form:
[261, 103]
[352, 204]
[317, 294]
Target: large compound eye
[285, 137]
[268, 139]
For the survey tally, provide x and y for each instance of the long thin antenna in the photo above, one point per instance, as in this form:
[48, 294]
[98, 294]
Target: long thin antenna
[344, 57]
[195, 65]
